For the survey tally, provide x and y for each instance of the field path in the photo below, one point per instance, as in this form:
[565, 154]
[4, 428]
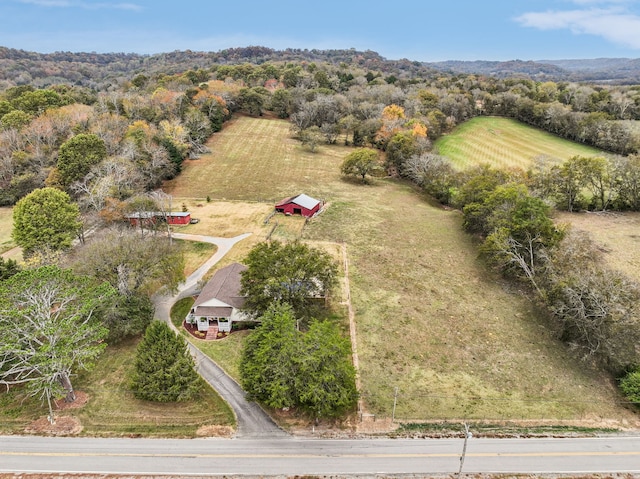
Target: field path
[252, 420]
[11, 253]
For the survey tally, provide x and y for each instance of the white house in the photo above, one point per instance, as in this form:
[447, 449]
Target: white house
[220, 300]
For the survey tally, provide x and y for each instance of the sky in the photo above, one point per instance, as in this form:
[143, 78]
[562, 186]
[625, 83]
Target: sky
[421, 30]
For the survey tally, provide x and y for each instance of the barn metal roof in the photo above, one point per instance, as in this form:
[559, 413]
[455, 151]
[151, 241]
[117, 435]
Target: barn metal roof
[301, 200]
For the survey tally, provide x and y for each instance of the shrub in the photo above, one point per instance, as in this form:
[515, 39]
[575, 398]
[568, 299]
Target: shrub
[630, 386]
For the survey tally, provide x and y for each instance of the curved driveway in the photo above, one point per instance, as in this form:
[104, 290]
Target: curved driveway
[252, 420]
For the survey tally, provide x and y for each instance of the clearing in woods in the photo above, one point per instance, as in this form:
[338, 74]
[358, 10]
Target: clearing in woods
[6, 226]
[505, 143]
[617, 234]
[431, 321]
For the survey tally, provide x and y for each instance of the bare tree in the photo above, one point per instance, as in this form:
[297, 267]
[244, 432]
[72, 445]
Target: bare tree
[48, 330]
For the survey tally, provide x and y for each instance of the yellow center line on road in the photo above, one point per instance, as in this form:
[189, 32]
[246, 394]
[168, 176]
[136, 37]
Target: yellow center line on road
[309, 456]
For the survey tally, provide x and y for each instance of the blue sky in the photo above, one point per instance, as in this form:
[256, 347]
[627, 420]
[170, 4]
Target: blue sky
[424, 30]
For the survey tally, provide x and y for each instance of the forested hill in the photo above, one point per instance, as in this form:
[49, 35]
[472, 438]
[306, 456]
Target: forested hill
[98, 69]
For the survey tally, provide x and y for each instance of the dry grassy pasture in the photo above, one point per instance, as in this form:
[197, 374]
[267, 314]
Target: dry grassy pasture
[618, 235]
[6, 226]
[431, 321]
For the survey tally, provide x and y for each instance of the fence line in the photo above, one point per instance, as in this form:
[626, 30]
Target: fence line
[392, 407]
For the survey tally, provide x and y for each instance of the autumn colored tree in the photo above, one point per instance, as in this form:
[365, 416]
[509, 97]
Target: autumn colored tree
[393, 119]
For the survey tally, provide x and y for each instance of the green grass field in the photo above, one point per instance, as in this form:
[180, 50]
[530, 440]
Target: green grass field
[504, 143]
[431, 321]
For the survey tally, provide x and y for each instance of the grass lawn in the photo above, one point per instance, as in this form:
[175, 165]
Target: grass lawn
[431, 321]
[6, 226]
[195, 253]
[112, 410]
[504, 143]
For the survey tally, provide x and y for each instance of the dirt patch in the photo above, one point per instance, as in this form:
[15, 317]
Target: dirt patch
[63, 426]
[81, 400]
[215, 431]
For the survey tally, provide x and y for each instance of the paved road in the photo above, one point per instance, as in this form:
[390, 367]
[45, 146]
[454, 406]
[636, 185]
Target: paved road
[296, 456]
[252, 420]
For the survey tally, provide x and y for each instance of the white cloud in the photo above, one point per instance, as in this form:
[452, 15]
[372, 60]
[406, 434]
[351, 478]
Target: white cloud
[83, 4]
[613, 22]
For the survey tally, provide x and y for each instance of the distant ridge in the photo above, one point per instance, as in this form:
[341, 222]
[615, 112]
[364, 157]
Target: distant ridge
[617, 70]
[84, 68]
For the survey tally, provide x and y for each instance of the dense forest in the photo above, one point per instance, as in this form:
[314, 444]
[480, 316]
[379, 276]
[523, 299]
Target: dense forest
[151, 112]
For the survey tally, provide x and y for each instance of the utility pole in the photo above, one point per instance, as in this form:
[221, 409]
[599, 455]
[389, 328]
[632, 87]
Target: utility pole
[395, 401]
[467, 435]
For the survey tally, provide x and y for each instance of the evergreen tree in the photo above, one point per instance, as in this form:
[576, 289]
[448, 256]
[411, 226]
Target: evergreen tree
[8, 268]
[326, 381]
[164, 369]
[269, 360]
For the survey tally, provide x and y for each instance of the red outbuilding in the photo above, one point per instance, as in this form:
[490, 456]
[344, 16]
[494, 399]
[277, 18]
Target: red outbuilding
[150, 218]
[179, 218]
[299, 205]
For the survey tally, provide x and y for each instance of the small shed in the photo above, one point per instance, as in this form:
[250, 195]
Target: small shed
[299, 205]
[179, 218]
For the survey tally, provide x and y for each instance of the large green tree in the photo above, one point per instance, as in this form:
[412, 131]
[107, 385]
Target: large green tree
[45, 218]
[282, 367]
[516, 227]
[360, 162]
[164, 368]
[49, 329]
[293, 273]
[77, 155]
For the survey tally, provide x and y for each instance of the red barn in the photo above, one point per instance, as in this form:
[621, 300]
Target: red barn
[299, 205]
[150, 218]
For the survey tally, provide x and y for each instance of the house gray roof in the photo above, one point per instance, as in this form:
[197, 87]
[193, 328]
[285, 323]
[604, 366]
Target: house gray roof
[223, 287]
[214, 311]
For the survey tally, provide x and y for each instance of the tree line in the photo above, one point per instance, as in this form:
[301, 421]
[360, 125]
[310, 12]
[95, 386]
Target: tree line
[147, 122]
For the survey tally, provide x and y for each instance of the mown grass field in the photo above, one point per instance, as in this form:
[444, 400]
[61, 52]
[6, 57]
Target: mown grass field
[504, 143]
[255, 159]
[455, 341]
